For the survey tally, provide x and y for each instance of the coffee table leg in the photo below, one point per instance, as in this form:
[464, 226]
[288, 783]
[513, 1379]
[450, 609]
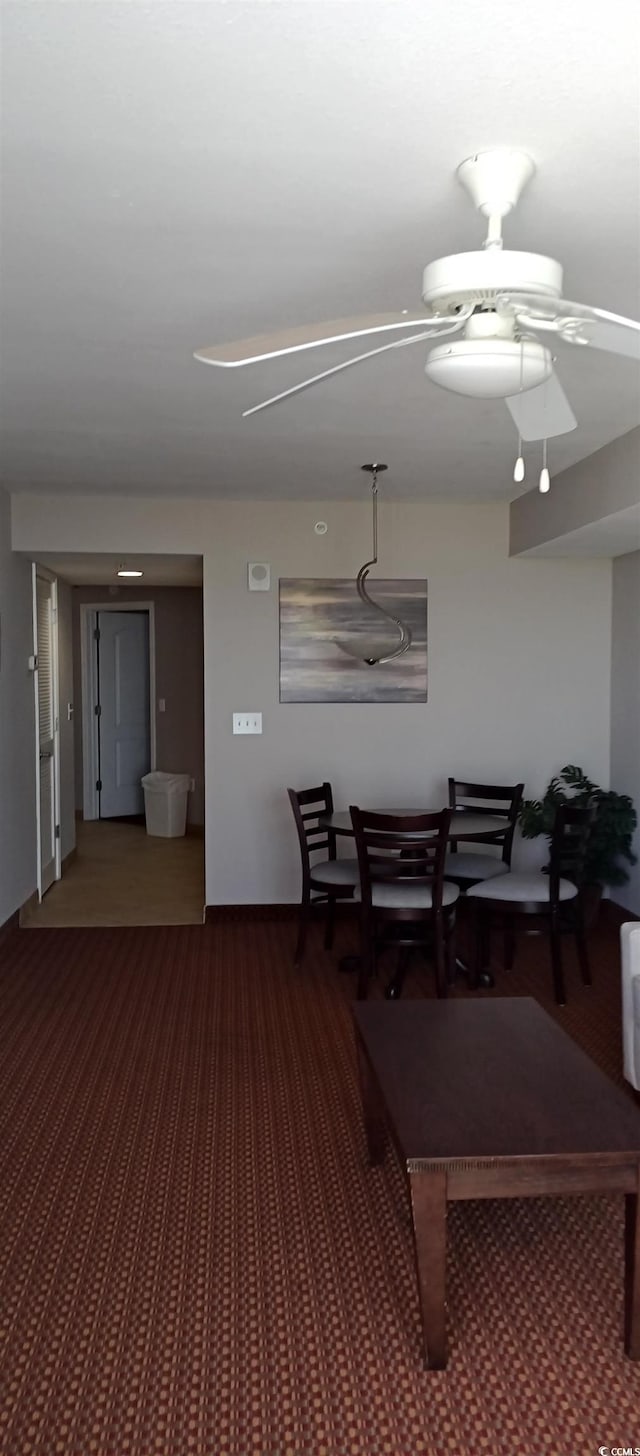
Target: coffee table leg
[632, 1275]
[429, 1211]
[374, 1124]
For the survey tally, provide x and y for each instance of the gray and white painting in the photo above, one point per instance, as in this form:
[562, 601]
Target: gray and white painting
[323, 623]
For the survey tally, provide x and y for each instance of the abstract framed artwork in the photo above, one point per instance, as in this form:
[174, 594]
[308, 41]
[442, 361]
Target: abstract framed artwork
[323, 622]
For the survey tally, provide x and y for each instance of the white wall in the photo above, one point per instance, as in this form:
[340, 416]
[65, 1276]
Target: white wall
[67, 725]
[599, 490]
[519, 661]
[17, 727]
[625, 702]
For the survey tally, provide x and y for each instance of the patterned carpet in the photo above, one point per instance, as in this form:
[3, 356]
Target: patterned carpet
[196, 1258]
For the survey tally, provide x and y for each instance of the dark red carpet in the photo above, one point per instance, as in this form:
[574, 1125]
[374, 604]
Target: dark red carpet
[196, 1258]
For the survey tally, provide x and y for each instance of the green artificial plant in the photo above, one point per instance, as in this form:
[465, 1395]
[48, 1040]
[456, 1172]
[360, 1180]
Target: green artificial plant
[613, 828]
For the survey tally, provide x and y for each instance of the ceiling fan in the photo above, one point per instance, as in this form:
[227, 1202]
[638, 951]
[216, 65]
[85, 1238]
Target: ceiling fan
[497, 301]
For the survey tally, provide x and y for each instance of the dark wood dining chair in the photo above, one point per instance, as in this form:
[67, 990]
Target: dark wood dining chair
[404, 900]
[324, 880]
[467, 867]
[552, 895]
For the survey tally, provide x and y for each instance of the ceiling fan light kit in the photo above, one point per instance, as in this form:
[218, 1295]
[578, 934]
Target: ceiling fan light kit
[494, 299]
[489, 368]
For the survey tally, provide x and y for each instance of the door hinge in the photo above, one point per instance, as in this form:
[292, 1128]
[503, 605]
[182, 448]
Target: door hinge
[96, 634]
[99, 785]
[57, 831]
[97, 710]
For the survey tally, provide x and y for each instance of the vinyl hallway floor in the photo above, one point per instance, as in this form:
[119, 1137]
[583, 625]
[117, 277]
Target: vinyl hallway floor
[120, 875]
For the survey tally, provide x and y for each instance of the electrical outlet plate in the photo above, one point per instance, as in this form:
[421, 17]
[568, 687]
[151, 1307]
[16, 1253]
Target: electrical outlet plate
[247, 722]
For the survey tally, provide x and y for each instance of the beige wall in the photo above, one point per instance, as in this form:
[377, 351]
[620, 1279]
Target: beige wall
[625, 701]
[17, 727]
[179, 680]
[519, 658]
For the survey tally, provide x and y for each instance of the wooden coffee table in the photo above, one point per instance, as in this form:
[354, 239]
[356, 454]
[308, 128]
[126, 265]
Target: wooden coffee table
[491, 1099]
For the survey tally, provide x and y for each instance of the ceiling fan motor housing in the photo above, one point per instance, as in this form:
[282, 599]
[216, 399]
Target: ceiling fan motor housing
[479, 277]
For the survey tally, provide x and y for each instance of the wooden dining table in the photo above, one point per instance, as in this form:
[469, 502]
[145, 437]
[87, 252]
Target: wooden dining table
[465, 824]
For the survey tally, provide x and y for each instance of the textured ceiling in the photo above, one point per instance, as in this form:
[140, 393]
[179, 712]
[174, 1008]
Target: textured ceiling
[177, 174]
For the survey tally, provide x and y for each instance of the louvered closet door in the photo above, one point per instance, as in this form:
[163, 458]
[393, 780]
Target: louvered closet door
[46, 709]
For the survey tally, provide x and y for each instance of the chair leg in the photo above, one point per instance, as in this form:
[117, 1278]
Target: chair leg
[450, 946]
[556, 962]
[581, 947]
[367, 962]
[329, 923]
[442, 985]
[509, 945]
[303, 924]
[482, 942]
[394, 988]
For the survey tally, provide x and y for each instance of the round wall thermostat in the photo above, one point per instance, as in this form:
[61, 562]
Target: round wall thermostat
[320, 528]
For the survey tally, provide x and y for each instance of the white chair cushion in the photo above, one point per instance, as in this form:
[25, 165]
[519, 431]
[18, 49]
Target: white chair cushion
[406, 897]
[336, 871]
[475, 866]
[520, 888]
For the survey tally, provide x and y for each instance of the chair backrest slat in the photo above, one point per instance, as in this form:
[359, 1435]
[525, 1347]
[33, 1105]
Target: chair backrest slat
[401, 850]
[489, 799]
[313, 836]
[572, 827]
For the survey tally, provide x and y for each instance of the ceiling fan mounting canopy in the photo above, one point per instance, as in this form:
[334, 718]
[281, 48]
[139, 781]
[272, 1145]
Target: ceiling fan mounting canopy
[494, 179]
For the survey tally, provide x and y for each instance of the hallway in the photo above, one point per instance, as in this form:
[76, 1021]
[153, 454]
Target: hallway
[122, 876]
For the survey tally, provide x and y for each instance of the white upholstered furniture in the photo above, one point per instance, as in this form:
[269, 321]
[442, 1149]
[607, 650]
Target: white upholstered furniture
[630, 951]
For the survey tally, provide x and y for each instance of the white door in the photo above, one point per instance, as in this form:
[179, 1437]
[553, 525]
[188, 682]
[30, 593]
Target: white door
[124, 752]
[45, 618]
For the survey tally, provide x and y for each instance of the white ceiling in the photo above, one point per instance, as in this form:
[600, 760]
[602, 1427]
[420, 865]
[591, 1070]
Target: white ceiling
[179, 174]
[101, 569]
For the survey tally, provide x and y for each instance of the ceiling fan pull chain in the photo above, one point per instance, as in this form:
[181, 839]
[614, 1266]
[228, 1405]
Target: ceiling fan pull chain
[545, 480]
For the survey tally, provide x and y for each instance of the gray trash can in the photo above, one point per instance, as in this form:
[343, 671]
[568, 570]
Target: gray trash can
[165, 804]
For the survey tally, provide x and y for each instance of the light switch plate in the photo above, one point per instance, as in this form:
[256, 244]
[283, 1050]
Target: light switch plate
[247, 722]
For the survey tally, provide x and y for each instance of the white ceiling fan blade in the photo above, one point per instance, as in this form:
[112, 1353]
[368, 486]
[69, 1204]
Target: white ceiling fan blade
[576, 323]
[358, 359]
[310, 336]
[541, 413]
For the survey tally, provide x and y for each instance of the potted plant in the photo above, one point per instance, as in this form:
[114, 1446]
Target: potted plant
[611, 836]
